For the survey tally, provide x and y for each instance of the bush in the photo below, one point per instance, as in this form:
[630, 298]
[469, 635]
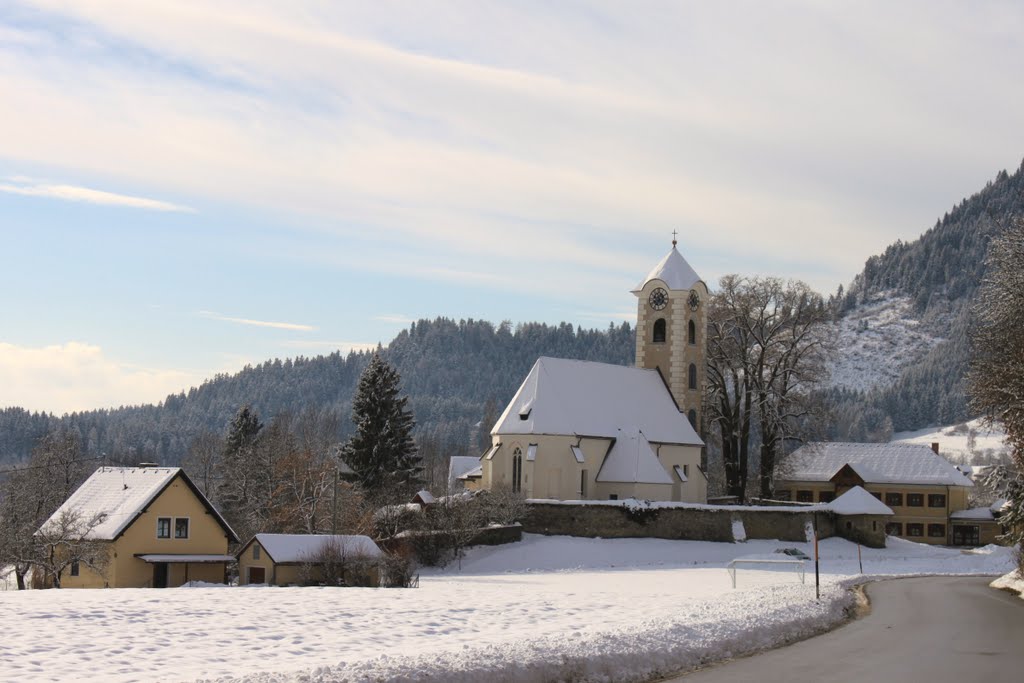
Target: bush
[397, 571]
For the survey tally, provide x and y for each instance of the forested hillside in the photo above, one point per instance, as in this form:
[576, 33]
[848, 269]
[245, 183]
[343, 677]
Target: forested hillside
[450, 370]
[940, 274]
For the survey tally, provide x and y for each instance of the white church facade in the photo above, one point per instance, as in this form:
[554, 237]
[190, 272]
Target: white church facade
[579, 430]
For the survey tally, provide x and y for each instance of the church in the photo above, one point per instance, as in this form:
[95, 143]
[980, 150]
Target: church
[579, 430]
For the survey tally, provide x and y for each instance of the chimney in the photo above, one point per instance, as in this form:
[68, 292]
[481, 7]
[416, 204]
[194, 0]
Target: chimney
[935, 447]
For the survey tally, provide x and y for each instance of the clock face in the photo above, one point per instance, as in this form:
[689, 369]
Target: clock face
[694, 301]
[658, 299]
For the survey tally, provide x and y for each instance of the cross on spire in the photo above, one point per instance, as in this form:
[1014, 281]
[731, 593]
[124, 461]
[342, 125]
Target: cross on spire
[674, 233]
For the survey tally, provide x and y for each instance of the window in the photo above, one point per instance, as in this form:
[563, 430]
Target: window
[874, 525]
[181, 527]
[659, 331]
[692, 416]
[966, 534]
[826, 496]
[693, 332]
[936, 500]
[877, 495]
[517, 470]
[74, 568]
[805, 496]
[894, 528]
[915, 529]
[686, 471]
[936, 531]
[782, 495]
[693, 376]
[915, 500]
[163, 527]
[255, 551]
[583, 483]
[613, 496]
[894, 499]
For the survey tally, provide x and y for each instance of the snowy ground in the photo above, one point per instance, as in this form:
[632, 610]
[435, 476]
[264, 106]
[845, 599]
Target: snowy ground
[876, 341]
[970, 443]
[549, 608]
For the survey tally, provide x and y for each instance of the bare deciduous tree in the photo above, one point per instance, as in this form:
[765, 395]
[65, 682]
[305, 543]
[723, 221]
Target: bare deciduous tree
[767, 343]
[65, 540]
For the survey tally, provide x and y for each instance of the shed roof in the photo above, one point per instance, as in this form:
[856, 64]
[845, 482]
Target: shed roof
[674, 271]
[121, 494]
[459, 466]
[287, 548]
[875, 463]
[562, 396]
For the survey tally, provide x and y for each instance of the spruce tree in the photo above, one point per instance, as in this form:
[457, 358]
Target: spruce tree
[382, 454]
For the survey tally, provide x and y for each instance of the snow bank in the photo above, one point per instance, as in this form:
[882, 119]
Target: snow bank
[1013, 582]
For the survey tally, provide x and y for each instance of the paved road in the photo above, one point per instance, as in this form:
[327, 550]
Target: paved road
[948, 629]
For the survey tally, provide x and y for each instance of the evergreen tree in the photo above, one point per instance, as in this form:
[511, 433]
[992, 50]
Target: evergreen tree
[382, 454]
[238, 472]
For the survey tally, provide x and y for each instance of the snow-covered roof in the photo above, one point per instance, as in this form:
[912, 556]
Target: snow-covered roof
[674, 271]
[284, 548]
[595, 399]
[121, 494]
[425, 497]
[477, 471]
[857, 501]
[875, 463]
[632, 460]
[459, 466]
[984, 514]
[191, 559]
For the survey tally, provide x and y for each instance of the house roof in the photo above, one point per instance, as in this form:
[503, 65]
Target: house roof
[857, 501]
[584, 398]
[674, 271]
[631, 460]
[459, 466]
[875, 463]
[286, 548]
[981, 514]
[121, 494]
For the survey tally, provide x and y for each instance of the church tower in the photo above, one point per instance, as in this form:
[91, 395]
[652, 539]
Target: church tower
[671, 330]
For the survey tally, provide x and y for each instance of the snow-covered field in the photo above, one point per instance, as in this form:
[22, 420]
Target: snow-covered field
[549, 608]
[970, 443]
[876, 341]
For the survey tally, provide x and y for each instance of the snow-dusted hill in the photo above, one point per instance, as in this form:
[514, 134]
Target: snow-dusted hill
[876, 341]
[968, 443]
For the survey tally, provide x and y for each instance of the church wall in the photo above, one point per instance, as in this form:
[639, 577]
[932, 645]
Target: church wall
[556, 474]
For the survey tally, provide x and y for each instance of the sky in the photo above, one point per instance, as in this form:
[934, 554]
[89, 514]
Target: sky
[188, 187]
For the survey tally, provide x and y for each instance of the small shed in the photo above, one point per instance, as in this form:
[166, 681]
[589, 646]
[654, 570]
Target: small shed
[861, 517]
[975, 526]
[309, 559]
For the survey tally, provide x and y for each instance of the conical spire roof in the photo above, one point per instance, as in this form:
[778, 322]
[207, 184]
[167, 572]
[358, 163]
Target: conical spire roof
[674, 271]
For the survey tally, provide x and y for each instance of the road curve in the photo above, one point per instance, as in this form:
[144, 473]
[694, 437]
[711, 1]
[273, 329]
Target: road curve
[935, 629]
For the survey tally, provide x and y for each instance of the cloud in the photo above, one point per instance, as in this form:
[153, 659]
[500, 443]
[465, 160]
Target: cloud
[802, 135]
[73, 193]
[77, 376]
[295, 327]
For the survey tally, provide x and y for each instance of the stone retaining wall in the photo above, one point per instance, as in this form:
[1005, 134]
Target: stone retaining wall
[630, 519]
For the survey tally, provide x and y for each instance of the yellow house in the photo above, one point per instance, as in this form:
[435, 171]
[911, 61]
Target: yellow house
[297, 559]
[161, 530]
[925, 492]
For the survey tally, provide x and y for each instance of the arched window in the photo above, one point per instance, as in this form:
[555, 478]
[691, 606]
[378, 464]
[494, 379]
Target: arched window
[517, 470]
[693, 376]
[693, 332]
[693, 418]
[659, 330]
